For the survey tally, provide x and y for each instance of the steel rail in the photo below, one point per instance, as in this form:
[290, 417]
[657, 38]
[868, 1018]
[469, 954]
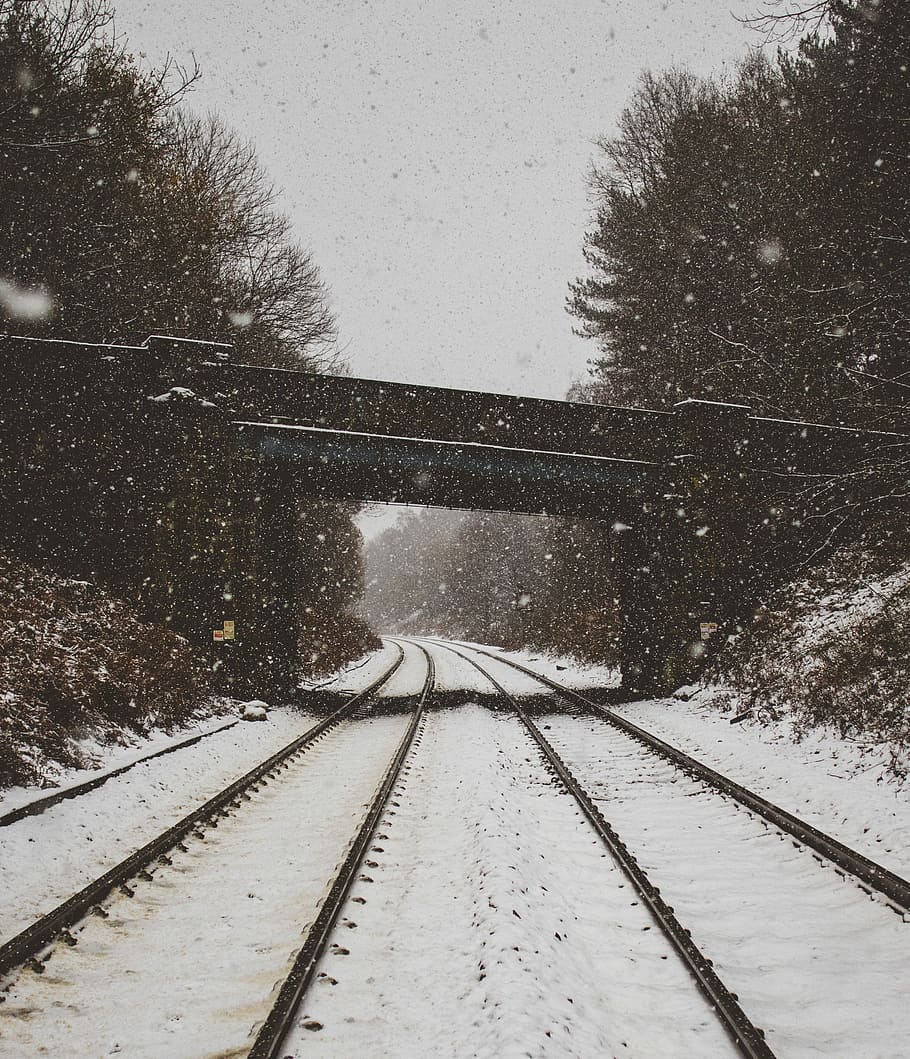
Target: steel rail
[869, 874]
[40, 805]
[280, 1019]
[30, 942]
[747, 1037]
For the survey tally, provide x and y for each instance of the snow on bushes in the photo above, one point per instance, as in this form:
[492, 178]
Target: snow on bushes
[832, 650]
[76, 662]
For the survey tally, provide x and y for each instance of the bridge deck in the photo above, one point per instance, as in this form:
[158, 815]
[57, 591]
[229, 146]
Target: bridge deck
[714, 433]
[349, 465]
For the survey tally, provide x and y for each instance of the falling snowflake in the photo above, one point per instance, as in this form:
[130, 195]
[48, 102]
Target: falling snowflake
[24, 302]
[770, 251]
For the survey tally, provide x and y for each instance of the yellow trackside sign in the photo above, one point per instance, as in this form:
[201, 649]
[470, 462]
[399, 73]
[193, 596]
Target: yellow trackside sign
[229, 630]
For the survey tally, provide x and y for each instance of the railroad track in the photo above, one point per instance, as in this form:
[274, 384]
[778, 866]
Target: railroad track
[873, 878]
[48, 801]
[30, 944]
[271, 1034]
[280, 1019]
[748, 1038]
[781, 935]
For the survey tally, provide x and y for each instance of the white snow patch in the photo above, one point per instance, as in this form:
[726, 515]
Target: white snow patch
[45, 859]
[359, 674]
[842, 788]
[257, 704]
[182, 394]
[564, 669]
[494, 925]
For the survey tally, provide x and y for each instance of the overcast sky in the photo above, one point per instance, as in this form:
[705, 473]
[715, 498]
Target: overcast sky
[433, 155]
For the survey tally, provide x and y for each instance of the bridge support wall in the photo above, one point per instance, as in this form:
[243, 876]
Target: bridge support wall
[269, 583]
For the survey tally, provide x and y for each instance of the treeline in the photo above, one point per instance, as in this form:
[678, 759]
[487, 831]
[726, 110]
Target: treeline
[123, 215]
[751, 239]
[514, 580]
[751, 245]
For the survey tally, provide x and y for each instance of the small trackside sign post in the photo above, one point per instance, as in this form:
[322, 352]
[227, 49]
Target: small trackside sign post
[707, 629]
[217, 634]
[228, 630]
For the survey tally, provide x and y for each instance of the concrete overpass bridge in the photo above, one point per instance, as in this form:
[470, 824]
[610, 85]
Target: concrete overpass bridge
[252, 441]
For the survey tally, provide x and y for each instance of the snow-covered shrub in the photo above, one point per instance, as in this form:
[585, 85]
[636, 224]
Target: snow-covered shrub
[75, 661]
[831, 650]
[255, 710]
[862, 681]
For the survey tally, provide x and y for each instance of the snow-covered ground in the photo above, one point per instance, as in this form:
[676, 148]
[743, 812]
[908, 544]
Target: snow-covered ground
[408, 679]
[816, 963]
[490, 920]
[363, 672]
[114, 757]
[567, 671]
[828, 655]
[111, 756]
[512, 680]
[834, 784]
[45, 859]
[493, 925]
[826, 781]
[454, 674]
[187, 966]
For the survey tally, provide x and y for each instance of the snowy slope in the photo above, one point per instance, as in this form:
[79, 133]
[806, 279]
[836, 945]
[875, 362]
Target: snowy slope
[830, 653]
[77, 668]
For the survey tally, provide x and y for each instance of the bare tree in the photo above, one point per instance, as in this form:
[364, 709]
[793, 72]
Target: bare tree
[65, 34]
[276, 306]
[782, 21]
[634, 157]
